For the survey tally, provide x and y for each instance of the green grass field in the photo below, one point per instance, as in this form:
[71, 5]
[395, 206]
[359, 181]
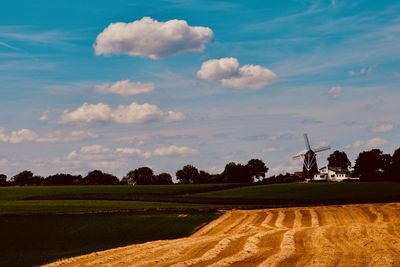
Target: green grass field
[33, 240]
[43, 223]
[23, 192]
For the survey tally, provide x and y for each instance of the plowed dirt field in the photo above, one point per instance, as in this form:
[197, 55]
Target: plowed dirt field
[348, 235]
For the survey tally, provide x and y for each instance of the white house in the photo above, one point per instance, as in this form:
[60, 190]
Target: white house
[334, 174]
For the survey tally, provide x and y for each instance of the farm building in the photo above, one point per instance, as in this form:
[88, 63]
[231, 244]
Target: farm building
[335, 174]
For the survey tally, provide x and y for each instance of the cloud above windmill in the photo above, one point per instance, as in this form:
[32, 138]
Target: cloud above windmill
[122, 114]
[231, 75]
[150, 38]
[368, 144]
[125, 88]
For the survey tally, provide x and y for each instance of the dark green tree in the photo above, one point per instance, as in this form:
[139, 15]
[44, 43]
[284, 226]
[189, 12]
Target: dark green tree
[236, 173]
[63, 179]
[188, 175]
[339, 159]
[395, 167]
[256, 169]
[140, 176]
[372, 165]
[26, 178]
[3, 180]
[97, 177]
[204, 177]
[163, 178]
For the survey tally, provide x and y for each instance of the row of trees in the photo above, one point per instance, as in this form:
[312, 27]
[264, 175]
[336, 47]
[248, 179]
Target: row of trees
[254, 170]
[371, 165]
[95, 177]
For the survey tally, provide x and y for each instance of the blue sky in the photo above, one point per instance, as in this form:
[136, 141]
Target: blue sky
[329, 68]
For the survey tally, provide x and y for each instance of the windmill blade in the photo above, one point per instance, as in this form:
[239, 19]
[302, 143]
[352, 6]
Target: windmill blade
[307, 142]
[298, 156]
[323, 148]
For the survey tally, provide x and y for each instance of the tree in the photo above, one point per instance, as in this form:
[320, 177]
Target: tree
[97, 177]
[188, 175]
[236, 173]
[339, 159]
[26, 178]
[256, 168]
[142, 176]
[163, 178]
[3, 180]
[372, 165]
[395, 167]
[204, 177]
[63, 179]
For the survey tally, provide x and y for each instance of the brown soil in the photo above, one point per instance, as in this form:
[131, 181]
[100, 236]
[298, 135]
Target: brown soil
[348, 235]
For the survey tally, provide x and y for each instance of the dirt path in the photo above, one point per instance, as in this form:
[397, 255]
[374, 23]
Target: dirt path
[349, 235]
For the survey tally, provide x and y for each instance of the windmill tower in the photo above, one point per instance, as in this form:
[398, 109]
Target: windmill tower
[310, 166]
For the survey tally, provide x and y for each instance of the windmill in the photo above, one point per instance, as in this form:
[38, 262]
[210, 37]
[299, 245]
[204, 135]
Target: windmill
[310, 166]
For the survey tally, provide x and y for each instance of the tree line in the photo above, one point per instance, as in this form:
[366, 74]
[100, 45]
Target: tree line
[254, 170]
[372, 165]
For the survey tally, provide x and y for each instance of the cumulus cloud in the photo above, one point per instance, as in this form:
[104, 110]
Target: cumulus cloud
[133, 113]
[97, 154]
[44, 116]
[150, 38]
[218, 69]
[368, 144]
[88, 150]
[335, 91]
[174, 150]
[18, 136]
[229, 73]
[27, 135]
[383, 128]
[125, 88]
[133, 152]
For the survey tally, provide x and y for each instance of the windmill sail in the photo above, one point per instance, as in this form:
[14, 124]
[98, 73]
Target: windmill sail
[310, 166]
[307, 142]
[320, 149]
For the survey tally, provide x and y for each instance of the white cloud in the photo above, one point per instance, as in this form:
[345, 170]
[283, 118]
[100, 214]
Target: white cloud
[27, 135]
[23, 135]
[133, 113]
[133, 152]
[229, 73]
[335, 91]
[218, 69]
[360, 72]
[368, 144]
[174, 150]
[272, 149]
[77, 135]
[125, 88]
[95, 150]
[44, 116]
[150, 38]
[383, 128]
[101, 157]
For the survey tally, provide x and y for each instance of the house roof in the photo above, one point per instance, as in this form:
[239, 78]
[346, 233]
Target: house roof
[335, 169]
